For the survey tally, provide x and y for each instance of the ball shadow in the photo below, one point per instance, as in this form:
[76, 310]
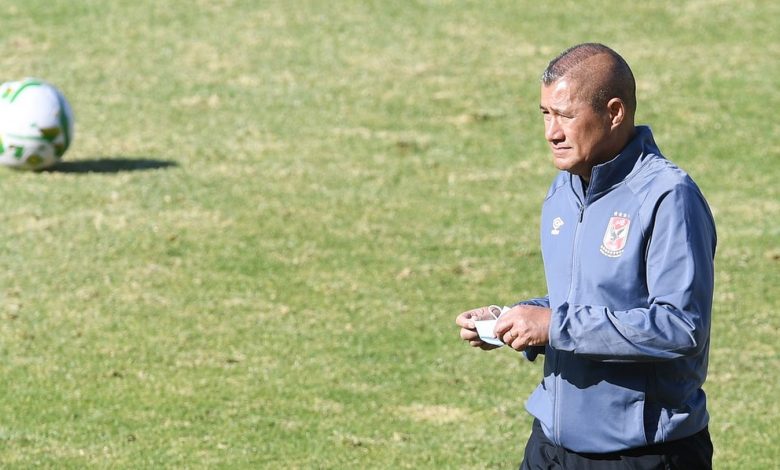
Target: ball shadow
[110, 165]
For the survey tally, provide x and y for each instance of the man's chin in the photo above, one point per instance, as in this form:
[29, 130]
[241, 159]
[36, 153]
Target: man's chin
[565, 165]
[562, 163]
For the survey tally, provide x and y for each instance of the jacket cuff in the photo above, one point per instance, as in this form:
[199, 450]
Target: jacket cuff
[558, 335]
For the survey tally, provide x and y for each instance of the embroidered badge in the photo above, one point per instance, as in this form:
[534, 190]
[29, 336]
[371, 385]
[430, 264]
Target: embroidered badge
[615, 237]
[557, 224]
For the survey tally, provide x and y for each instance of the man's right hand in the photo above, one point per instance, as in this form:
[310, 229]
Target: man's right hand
[468, 331]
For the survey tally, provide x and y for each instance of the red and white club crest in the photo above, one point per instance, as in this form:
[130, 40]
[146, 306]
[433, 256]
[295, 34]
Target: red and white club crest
[615, 237]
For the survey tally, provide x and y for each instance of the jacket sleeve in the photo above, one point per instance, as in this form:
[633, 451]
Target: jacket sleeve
[680, 278]
[530, 353]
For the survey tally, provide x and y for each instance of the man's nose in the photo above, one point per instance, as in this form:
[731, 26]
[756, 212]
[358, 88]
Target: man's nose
[553, 131]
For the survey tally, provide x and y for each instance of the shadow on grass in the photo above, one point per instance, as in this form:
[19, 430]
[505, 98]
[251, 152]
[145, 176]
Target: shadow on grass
[111, 165]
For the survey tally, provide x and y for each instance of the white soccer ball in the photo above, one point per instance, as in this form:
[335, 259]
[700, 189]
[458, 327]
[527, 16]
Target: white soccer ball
[36, 124]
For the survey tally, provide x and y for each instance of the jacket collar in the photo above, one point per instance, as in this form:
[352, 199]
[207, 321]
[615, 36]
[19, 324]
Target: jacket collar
[615, 171]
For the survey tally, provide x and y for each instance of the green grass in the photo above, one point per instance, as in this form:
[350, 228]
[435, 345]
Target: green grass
[289, 203]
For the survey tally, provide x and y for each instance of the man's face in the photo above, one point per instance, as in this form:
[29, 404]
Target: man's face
[578, 135]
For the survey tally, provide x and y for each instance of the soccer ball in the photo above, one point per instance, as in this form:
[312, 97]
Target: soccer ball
[36, 124]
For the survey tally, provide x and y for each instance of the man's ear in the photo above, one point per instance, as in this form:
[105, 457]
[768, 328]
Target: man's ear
[617, 111]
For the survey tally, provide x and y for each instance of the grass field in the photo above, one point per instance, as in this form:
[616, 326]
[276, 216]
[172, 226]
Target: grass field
[254, 252]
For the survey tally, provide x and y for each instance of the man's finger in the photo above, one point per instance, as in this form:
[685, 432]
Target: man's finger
[510, 336]
[466, 319]
[468, 334]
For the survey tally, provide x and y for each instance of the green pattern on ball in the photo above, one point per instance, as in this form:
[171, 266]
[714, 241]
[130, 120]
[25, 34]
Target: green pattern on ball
[23, 85]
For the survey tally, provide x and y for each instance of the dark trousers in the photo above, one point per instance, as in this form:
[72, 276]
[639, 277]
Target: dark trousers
[690, 453]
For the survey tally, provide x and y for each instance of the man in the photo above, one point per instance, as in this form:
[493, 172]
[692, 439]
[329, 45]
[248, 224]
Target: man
[628, 243]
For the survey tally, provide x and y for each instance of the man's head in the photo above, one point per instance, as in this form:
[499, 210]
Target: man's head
[588, 103]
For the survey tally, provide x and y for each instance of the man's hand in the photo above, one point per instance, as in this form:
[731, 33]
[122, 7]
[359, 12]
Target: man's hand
[523, 326]
[468, 331]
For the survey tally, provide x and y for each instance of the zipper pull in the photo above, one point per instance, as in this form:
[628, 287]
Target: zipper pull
[582, 209]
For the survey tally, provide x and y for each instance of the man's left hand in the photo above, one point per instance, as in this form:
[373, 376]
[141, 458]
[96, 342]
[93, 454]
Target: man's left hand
[524, 326]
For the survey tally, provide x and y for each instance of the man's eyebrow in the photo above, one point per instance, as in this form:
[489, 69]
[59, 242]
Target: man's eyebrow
[553, 109]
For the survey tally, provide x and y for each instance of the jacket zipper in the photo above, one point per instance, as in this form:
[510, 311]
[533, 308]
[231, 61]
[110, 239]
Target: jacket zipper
[557, 375]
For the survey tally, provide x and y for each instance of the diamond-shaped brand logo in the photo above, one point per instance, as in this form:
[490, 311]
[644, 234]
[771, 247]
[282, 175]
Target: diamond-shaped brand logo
[556, 226]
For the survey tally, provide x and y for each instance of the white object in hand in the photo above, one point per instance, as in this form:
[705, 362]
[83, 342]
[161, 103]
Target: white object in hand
[485, 327]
